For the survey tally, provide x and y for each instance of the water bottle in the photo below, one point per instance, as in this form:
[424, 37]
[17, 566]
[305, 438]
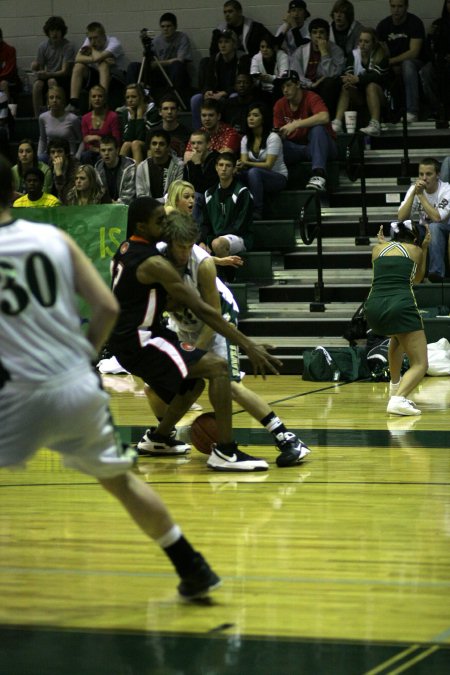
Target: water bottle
[336, 375]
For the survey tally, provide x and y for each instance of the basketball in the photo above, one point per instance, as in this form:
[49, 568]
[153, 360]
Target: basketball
[204, 432]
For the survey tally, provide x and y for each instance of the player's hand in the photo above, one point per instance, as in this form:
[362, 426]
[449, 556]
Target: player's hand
[262, 361]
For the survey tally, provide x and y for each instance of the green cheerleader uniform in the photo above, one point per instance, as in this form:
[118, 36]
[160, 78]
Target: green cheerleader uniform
[391, 307]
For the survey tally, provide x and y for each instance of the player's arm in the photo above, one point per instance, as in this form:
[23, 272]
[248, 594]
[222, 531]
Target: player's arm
[158, 270]
[208, 291]
[92, 288]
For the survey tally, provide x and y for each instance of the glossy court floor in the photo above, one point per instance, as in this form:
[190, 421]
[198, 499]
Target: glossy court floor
[340, 566]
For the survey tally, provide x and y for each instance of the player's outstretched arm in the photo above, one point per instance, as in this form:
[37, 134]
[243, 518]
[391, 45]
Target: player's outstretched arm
[158, 269]
[92, 288]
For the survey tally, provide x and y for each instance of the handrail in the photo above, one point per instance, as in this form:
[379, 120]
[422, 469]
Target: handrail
[308, 237]
[354, 171]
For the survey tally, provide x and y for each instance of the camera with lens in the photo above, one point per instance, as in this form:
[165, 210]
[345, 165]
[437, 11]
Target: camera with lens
[147, 42]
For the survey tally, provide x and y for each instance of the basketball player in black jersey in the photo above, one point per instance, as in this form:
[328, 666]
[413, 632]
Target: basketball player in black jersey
[142, 280]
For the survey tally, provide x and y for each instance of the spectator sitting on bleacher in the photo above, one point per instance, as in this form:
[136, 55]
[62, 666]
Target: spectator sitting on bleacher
[267, 66]
[35, 196]
[427, 202]
[87, 189]
[261, 166]
[319, 64]
[302, 119]
[249, 33]
[63, 167]
[435, 75]
[137, 118]
[179, 134]
[59, 124]
[117, 174]
[403, 35]
[98, 122]
[344, 30]
[364, 80]
[27, 158]
[221, 73]
[222, 135]
[200, 170]
[228, 214]
[54, 62]
[99, 60]
[9, 78]
[162, 166]
[235, 108]
[294, 31]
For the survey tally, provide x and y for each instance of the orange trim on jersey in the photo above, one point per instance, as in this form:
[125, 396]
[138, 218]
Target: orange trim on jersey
[135, 237]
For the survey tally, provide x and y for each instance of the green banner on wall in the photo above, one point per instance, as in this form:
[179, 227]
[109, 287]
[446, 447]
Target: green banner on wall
[97, 229]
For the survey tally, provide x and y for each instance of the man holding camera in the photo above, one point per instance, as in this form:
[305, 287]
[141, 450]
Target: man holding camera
[171, 50]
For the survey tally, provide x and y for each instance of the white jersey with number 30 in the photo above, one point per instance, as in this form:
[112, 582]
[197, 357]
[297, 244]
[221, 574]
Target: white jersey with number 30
[40, 333]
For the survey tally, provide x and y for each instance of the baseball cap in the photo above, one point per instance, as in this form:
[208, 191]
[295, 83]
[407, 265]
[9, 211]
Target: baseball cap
[289, 75]
[299, 4]
[228, 35]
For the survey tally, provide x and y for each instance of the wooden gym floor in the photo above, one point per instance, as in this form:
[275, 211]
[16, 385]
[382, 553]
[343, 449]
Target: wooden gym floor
[339, 566]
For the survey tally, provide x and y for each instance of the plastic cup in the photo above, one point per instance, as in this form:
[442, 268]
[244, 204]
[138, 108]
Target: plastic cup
[350, 121]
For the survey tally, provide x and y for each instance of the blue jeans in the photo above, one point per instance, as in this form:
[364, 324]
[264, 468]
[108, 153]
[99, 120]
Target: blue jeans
[445, 170]
[437, 249]
[196, 104]
[410, 76]
[320, 148]
[260, 181]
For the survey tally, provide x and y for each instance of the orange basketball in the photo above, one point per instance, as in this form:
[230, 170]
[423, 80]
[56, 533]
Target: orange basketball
[204, 432]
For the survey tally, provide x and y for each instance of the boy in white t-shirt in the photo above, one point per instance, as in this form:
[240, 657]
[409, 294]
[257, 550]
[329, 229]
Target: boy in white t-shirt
[428, 201]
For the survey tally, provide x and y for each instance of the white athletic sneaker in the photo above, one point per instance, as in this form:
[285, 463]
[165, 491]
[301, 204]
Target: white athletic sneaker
[155, 445]
[196, 406]
[372, 129]
[234, 460]
[411, 117]
[317, 183]
[337, 127]
[399, 405]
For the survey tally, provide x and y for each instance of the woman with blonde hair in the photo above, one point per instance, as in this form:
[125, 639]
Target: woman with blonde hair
[363, 82]
[87, 189]
[97, 123]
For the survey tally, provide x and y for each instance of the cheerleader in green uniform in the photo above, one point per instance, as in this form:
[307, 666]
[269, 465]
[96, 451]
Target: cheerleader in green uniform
[391, 309]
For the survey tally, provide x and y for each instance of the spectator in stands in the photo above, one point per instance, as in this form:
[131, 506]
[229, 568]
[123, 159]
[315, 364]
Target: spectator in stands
[221, 73]
[200, 170]
[344, 30]
[87, 189]
[27, 158]
[59, 124]
[179, 133]
[117, 175]
[63, 167]
[9, 78]
[302, 119]
[267, 66]
[403, 35]
[235, 108]
[435, 75]
[319, 64]
[228, 215]
[427, 202]
[54, 62]
[98, 122]
[249, 33]
[261, 166]
[363, 82]
[223, 137]
[99, 60]
[136, 119]
[172, 48]
[35, 195]
[294, 31]
[160, 169]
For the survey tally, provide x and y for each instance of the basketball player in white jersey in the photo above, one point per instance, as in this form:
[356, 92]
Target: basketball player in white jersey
[50, 396]
[199, 272]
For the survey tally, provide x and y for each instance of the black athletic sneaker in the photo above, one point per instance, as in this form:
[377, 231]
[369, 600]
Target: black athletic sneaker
[200, 581]
[234, 460]
[155, 445]
[292, 451]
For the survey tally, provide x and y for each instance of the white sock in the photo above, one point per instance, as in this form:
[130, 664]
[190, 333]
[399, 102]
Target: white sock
[170, 537]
